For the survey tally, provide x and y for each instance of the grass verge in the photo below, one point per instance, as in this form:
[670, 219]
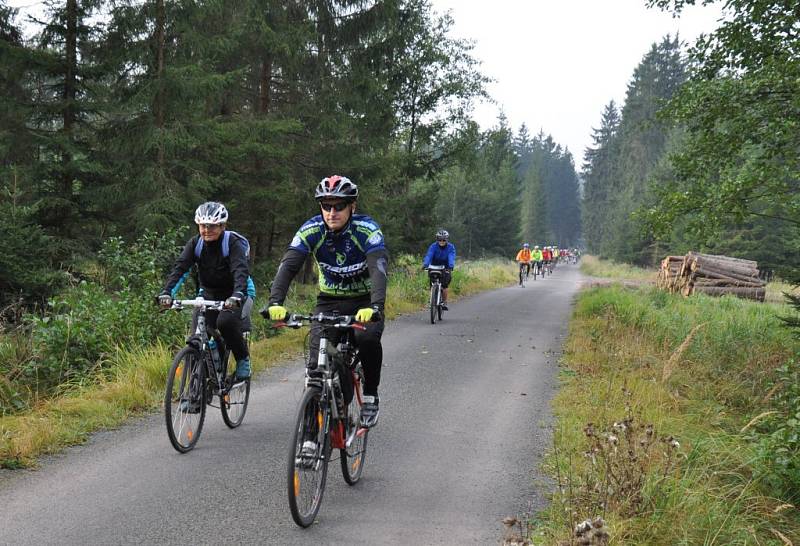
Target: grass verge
[658, 423]
[595, 267]
[133, 382]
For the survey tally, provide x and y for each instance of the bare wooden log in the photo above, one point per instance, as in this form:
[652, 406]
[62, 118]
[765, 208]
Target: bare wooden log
[722, 265]
[717, 257]
[714, 273]
[702, 281]
[749, 293]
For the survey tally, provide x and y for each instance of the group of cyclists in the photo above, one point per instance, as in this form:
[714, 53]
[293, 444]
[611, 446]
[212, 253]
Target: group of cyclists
[352, 259]
[542, 259]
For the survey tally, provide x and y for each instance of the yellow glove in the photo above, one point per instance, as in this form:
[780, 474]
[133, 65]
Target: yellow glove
[277, 312]
[365, 314]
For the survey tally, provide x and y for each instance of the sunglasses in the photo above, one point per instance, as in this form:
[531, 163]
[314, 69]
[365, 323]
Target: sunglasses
[339, 207]
[442, 240]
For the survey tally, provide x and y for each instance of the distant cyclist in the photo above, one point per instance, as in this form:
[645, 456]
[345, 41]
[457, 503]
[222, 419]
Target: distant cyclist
[524, 260]
[223, 273]
[547, 257]
[537, 258]
[442, 252]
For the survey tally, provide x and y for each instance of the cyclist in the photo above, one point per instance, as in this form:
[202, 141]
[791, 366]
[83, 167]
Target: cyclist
[524, 260]
[223, 273]
[442, 252]
[350, 252]
[536, 258]
[547, 257]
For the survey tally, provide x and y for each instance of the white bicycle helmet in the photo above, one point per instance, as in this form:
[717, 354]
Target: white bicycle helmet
[336, 186]
[442, 235]
[211, 212]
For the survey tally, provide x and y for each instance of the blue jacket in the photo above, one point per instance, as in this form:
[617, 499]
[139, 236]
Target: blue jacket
[440, 256]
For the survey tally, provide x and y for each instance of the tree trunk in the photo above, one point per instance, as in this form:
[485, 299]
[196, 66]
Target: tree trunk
[158, 103]
[70, 93]
[714, 273]
[265, 85]
[749, 293]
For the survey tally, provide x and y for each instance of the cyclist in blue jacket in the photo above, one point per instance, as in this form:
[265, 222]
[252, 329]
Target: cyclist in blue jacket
[442, 252]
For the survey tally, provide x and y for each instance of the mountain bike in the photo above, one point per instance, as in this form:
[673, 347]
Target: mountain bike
[328, 416]
[199, 372]
[435, 273]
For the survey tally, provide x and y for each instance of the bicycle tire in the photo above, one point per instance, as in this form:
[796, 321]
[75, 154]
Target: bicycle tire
[233, 401]
[353, 455]
[312, 422]
[433, 303]
[439, 312]
[185, 389]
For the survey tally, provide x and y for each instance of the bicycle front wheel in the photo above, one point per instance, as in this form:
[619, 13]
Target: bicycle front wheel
[439, 310]
[355, 452]
[433, 304]
[184, 401]
[308, 458]
[233, 402]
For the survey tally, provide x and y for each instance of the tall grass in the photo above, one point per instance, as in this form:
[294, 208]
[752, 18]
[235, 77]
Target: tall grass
[132, 379]
[697, 370]
[595, 267]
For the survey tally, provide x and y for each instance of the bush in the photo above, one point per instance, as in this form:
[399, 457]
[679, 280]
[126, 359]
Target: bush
[87, 323]
[778, 436]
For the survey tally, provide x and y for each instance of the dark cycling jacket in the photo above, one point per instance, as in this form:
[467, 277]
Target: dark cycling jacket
[352, 262]
[220, 277]
[440, 256]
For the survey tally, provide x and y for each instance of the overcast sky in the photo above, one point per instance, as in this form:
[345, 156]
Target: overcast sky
[557, 63]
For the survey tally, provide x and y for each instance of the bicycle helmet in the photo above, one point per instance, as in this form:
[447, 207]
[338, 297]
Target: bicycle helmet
[336, 186]
[442, 235]
[211, 212]
[535, 247]
[526, 245]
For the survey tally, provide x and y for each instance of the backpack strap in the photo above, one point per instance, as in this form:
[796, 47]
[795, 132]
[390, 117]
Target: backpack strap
[226, 244]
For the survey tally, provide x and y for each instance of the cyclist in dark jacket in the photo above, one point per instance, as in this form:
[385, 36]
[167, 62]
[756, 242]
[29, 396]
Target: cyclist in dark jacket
[223, 272]
[350, 252]
[442, 252]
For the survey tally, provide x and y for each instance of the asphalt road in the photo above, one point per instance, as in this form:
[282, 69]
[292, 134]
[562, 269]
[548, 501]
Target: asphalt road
[464, 421]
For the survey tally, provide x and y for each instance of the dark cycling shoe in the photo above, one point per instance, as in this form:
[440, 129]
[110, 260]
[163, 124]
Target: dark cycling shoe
[369, 412]
[444, 307]
[190, 406]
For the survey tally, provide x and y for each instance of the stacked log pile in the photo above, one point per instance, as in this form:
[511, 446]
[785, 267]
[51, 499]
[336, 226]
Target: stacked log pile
[698, 273]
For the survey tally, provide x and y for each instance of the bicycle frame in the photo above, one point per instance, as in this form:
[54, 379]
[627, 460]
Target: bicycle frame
[328, 379]
[199, 340]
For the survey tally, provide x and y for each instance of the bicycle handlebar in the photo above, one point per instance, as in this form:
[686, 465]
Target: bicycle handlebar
[296, 320]
[199, 302]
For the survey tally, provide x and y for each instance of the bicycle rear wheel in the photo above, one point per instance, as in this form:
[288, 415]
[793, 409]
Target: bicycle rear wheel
[184, 400]
[355, 452]
[233, 402]
[433, 303]
[308, 458]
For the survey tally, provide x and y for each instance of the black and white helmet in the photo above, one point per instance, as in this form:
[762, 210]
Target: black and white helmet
[336, 186]
[211, 213]
[442, 235]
